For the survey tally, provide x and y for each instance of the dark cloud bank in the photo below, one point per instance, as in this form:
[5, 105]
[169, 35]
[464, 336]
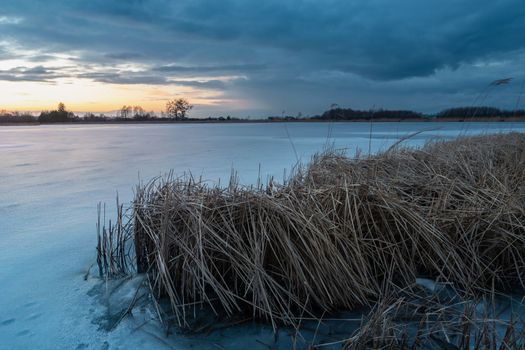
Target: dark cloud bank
[291, 55]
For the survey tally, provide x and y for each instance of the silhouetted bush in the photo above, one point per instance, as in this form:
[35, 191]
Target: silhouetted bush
[60, 115]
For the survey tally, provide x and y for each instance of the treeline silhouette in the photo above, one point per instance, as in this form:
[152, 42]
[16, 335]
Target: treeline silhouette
[473, 112]
[137, 114]
[16, 117]
[351, 114]
[57, 117]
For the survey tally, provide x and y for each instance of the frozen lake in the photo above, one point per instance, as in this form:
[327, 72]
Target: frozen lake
[52, 177]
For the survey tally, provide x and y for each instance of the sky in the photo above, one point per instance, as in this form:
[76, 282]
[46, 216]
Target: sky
[259, 58]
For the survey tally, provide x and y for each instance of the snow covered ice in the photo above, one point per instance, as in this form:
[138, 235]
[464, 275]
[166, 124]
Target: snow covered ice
[52, 177]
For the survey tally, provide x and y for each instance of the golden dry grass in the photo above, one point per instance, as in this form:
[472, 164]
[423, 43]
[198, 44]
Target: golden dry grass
[339, 233]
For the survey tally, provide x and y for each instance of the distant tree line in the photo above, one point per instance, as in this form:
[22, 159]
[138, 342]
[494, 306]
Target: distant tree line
[351, 114]
[177, 110]
[481, 112]
[16, 117]
[461, 113]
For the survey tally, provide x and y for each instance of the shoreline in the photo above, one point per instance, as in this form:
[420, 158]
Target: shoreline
[264, 121]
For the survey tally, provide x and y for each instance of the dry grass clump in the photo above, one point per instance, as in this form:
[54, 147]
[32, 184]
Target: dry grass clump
[428, 323]
[113, 248]
[338, 232]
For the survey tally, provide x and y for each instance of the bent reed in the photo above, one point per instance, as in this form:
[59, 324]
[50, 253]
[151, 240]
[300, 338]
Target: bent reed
[339, 234]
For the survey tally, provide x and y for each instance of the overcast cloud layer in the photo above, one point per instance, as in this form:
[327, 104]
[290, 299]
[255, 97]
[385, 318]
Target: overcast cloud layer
[297, 56]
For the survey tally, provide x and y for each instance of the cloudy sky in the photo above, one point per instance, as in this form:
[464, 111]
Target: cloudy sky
[258, 58]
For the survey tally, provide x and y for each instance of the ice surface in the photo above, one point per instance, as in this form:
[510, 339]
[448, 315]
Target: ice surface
[52, 177]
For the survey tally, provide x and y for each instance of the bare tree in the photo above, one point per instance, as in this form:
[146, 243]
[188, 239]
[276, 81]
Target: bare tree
[125, 111]
[178, 108]
[138, 111]
[61, 107]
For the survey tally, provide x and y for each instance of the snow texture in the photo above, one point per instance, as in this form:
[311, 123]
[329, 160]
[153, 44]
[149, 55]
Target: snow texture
[52, 177]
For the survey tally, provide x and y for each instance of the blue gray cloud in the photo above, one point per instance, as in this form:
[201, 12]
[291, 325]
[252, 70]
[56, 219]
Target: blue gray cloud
[284, 54]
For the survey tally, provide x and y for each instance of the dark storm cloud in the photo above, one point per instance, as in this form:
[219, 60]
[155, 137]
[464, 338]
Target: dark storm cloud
[292, 53]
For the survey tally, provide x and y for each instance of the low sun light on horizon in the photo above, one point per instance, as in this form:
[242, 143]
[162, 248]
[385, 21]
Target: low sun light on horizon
[40, 86]
[97, 56]
[88, 96]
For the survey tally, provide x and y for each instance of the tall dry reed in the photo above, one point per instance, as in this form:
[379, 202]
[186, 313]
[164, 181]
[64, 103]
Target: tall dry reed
[338, 233]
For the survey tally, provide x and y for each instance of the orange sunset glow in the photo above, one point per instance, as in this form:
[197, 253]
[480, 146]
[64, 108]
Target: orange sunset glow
[89, 96]
[37, 86]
